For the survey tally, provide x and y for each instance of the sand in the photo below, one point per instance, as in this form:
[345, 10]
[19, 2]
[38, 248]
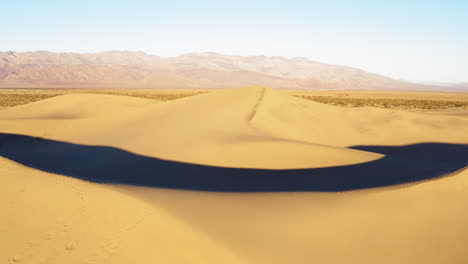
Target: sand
[51, 218]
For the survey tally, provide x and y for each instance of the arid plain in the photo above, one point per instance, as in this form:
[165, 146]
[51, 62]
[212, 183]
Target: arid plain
[247, 175]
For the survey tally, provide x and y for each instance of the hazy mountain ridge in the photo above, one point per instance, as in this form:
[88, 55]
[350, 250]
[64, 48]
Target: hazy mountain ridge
[462, 85]
[193, 70]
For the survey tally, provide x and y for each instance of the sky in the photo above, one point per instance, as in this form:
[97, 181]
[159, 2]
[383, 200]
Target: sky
[412, 40]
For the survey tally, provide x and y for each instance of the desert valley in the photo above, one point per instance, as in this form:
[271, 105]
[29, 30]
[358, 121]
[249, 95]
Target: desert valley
[234, 132]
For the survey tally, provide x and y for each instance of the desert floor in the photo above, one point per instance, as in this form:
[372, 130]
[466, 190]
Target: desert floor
[248, 175]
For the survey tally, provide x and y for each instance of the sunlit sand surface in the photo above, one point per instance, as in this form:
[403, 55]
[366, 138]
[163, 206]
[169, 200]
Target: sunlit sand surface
[49, 217]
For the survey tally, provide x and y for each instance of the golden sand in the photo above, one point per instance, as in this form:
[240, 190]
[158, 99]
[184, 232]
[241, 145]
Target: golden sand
[50, 218]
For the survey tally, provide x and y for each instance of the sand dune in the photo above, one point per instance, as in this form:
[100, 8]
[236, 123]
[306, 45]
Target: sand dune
[254, 133]
[212, 129]
[252, 127]
[48, 218]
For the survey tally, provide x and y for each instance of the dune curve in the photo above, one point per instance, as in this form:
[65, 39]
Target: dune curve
[254, 136]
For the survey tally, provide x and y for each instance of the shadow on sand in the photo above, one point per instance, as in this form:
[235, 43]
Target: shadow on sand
[112, 165]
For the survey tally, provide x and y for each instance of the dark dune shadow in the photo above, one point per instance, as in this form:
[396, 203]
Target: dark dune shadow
[112, 165]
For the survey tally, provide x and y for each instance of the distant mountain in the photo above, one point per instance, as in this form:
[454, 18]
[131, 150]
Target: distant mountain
[195, 70]
[462, 85]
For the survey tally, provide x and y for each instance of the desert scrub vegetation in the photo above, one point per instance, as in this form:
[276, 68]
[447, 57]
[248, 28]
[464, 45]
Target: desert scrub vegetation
[386, 103]
[8, 100]
[13, 98]
[154, 96]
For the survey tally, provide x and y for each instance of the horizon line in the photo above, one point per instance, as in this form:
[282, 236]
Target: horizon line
[433, 83]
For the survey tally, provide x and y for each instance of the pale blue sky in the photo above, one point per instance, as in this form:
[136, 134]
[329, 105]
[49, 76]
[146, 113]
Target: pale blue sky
[414, 40]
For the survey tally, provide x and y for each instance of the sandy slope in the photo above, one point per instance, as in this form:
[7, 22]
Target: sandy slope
[54, 219]
[213, 129]
[249, 127]
[49, 218]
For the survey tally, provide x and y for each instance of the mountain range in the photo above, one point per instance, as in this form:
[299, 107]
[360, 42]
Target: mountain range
[125, 69]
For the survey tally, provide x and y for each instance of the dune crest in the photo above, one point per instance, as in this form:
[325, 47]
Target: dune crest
[49, 218]
[212, 129]
[252, 127]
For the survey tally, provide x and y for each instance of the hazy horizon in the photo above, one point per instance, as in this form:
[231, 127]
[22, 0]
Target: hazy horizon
[421, 41]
